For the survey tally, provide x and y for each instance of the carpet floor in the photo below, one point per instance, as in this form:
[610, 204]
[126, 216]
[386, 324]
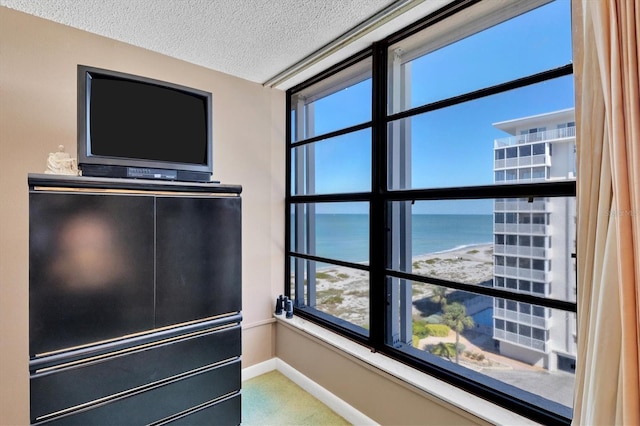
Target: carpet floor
[273, 399]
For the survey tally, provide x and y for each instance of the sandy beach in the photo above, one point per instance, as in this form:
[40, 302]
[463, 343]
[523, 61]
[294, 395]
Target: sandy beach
[344, 292]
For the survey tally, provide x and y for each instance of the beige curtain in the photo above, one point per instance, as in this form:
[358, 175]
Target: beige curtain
[608, 121]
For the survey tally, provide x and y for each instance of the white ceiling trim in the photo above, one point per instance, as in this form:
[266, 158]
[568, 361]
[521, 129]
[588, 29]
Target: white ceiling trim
[376, 21]
[388, 21]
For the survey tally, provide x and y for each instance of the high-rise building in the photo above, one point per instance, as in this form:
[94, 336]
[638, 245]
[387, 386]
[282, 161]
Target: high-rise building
[534, 240]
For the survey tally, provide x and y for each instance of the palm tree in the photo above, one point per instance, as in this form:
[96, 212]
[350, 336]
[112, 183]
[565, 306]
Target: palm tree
[439, 295]
[455, 316]
[443, 349]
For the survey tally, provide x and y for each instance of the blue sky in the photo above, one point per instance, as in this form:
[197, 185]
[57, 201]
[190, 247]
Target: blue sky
[525, 45]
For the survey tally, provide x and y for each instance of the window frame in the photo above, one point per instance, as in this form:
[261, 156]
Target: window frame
[380, 196]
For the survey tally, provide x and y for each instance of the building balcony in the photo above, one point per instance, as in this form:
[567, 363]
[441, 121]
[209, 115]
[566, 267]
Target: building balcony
[521, 206]
[521, 273]
[520, 228]
[529, 160]
[547, 135]
[519, 250]
[526, 319]
[528, 342]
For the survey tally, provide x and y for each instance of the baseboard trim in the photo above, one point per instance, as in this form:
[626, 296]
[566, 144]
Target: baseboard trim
[259, 369]
[339, 406]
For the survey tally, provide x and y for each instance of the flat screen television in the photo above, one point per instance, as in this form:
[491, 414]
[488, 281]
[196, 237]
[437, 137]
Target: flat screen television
[136, 127]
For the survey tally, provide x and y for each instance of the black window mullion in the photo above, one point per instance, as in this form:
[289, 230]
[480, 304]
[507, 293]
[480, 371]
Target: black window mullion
[329, 198]
[330, 135]
[377, 230]
[487, 91]
[488, 291]
[359, 266]
[287, 202]
[565, 188]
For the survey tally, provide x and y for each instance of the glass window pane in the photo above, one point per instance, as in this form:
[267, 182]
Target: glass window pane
[441, 240]
[525, 150]
[337, 231]
[341, 101]
[524, 286]
[455, 146]
[538, 149]
[338, 165]
[335, 290]
[538, 172]
[538, 288]
[538, 264]
[527, 44]
[511, 345]
[538, 241]
[524, 174]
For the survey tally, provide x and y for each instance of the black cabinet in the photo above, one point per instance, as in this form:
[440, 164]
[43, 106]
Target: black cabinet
[135, 301]
[91, 266]
[198, 240]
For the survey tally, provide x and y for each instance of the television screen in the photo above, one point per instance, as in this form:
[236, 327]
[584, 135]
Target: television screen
[131, 126]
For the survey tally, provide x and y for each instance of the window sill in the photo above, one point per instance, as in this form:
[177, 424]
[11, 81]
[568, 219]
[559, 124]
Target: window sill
[430, 385]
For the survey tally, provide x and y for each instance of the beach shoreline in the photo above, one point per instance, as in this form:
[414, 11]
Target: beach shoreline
[344, 292]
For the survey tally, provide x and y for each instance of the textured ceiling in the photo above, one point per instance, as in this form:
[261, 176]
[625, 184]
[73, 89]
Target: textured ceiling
[251, 39]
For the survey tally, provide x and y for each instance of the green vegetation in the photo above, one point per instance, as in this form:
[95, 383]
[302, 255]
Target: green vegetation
[477, 356]
[323, 276]
[439, 295]
[474, 251]
[357, 293]
[415, 341]
[420, 329]
[423, 329]
[437, 330]
[330, 297]
[447, 350]
[455, 316]
[332, 300]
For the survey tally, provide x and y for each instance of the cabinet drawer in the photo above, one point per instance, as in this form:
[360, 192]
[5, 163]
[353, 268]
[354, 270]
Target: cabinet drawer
[226, 412]
[159, 402]
[64, 388]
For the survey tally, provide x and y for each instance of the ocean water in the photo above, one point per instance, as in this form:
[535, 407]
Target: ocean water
[345, 236]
